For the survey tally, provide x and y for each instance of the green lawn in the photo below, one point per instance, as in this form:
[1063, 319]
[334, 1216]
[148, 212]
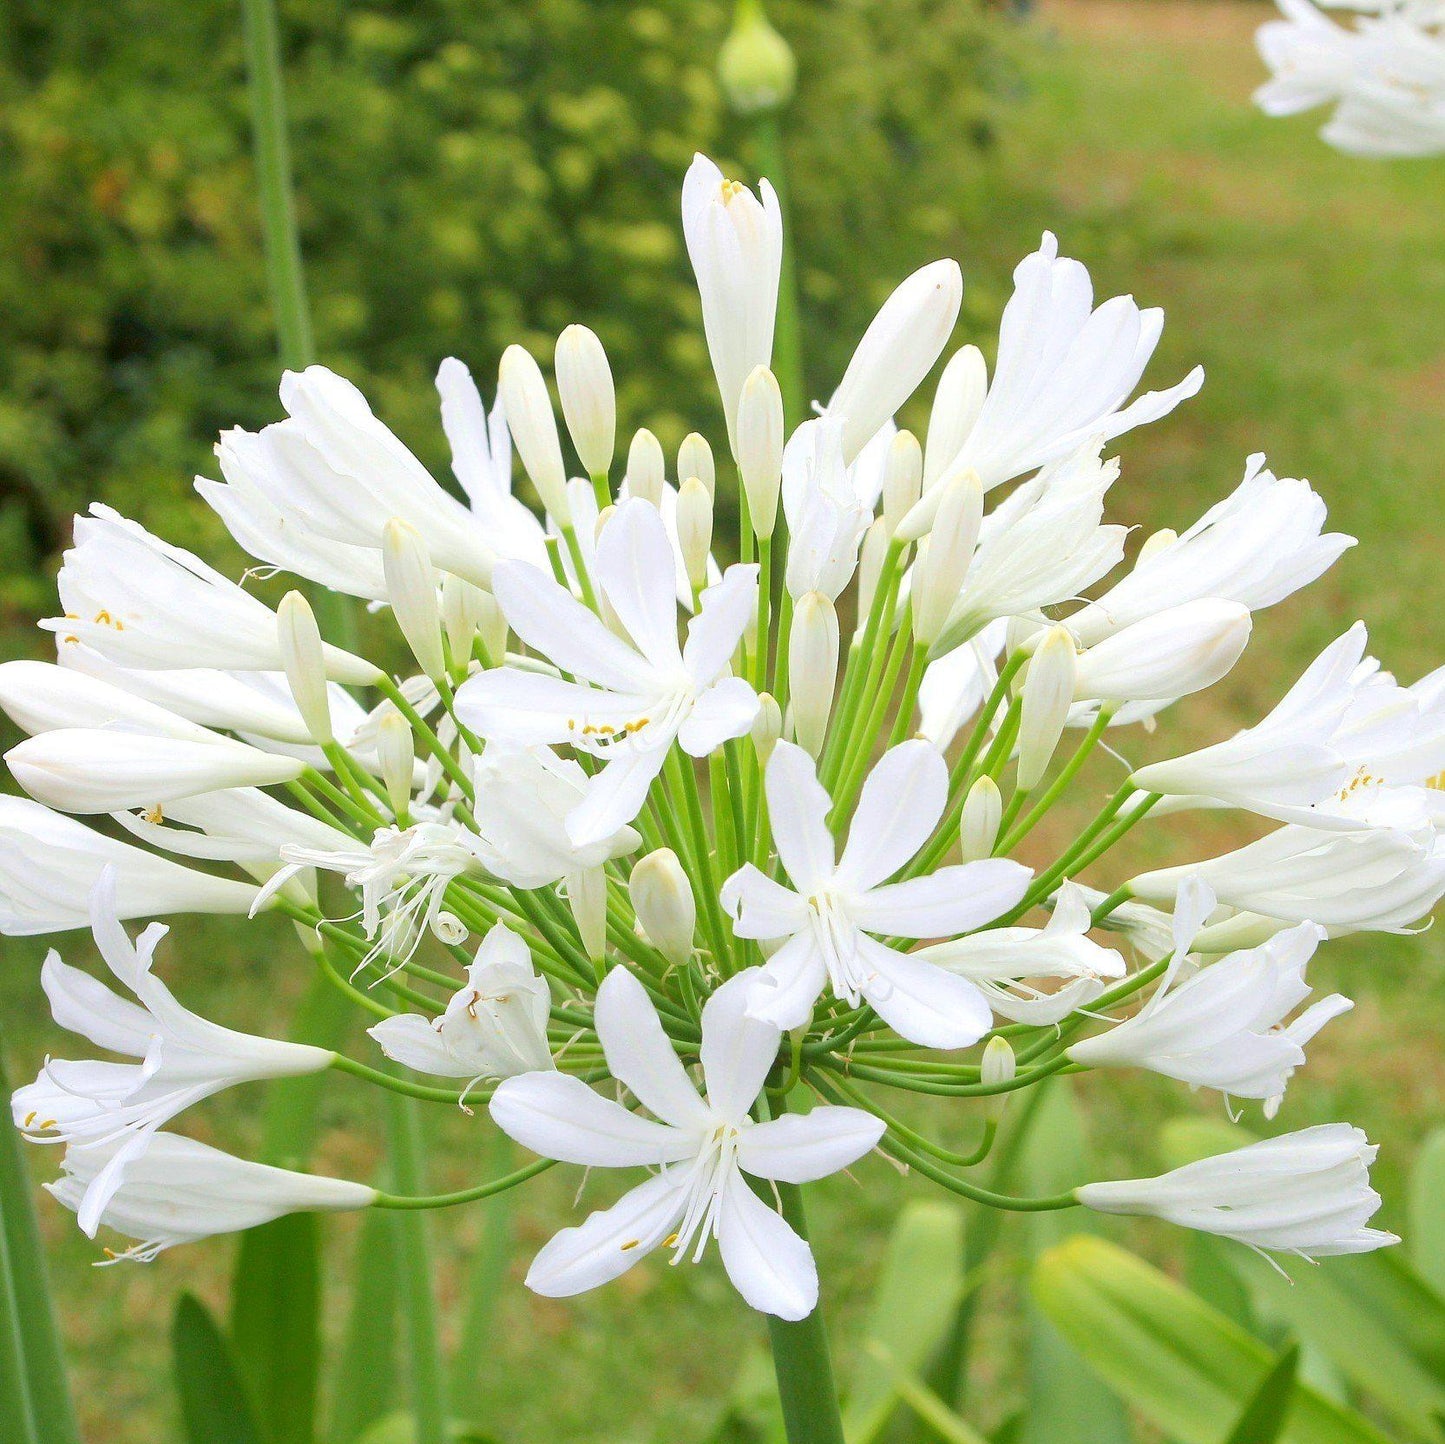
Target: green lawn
[1312, 288]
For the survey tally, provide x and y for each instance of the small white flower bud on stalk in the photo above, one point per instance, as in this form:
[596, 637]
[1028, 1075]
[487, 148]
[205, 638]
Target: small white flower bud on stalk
[760, 447]
[301, 654]
[461, 614]
[1157, 542]
[755, 65]
[694, 530]
[587, 897]
[941, 567]
[997, 1066]
[662, 898]
[491, 627]
[902, 478]
[870, 567]
[646, 467]
[767, 727]
[982, 814]
[396, 751]
[528, 409]
[589, 400]
[813, 669]
[956, 404]
[411, 587]
[1048, 693]
[694, 458]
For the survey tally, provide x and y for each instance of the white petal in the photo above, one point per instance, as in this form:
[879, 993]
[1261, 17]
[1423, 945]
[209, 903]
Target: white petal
[770, 1266]
[726, 710]
[560, 1117]
[713, 635]
[951, 900]
[737, 1050]
[528, 709]
[899, 807]
[609, 1242]
[760, 907]
[798, 808]
[634, 567]
[616, 794]
[639, 1055]
[789, 983]
[921, 1002]
[411, 1040]
[801, 1147]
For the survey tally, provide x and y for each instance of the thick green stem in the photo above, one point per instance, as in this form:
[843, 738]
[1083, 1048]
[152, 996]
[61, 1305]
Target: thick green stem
[787, 333]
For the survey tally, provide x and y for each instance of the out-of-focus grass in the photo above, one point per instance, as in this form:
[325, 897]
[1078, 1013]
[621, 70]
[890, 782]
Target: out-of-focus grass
[1312, 288]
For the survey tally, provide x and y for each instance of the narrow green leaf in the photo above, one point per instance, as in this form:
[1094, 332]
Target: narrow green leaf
[35, 1405]
[1181, 1363]
[215, 1407]
[1426, 1232]
[1263, 1419]
[944, 1423]
[363, 1389]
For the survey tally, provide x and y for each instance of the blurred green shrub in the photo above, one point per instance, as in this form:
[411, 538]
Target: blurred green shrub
[471, 172]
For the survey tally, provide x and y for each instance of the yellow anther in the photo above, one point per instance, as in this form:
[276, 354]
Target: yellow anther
[731, 188]
[631, 1243]
[155, 816]
[669, 1240]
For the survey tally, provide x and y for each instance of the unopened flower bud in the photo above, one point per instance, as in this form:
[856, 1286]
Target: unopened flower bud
[589, 401]
[1048, 693]
[646, 467]
[995, 1068]
[767, 727]
[396, 752]
[870, 567]
[587, 897]
[982, 815]
[902, 478]
[461, 610]
[301, 653]
[528, 409]
[760, 447]
[491, 628]
[755, 65]
[694, 530]
[813, 669]
[411, 587]
[943, 563]
[956, 404]
[694, 458]
[1157, 542]
[662, 898]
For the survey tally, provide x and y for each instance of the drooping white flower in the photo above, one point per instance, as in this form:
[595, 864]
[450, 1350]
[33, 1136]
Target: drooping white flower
[141, 602]
[177, 1191]
[631, 701]
[702, 1147]
[1257, 546]
[1004, 961]
[1305, 1193]
[735, 242]
[493, 1027]
[1224, 1026]
[835, 903]
[183, 1057]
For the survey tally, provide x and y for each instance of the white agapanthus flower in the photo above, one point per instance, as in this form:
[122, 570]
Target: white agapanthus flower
[701, 1145]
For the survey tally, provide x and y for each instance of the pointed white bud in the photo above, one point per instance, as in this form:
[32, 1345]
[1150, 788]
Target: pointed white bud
[492, 628]
[941, 567]
[813, 669]
[694, 458]
[301, 654]
[1048, 693]
[956, 404]
[897, 351]
[461, 615]
[646, 467]
[662, 898]
[1170, 654]
[982, 816]
[767, 727]
[528, 409]
[589, 401]
[694, 530]
[396, 751]
[902, 478]
[411, 587]
[760, 447]
[997, 1066]
[870, 567]
[1157, 542]
[587, 897]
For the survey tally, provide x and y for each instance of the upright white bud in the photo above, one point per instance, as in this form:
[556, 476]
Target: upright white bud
[897, 351]
[396, 752]
[411, 588]
[694, 530]
[646, 467]
[956, 404]
[662, 898]
[301, 654]
[1170, 654]
[1048, 693]
[870, 567]
[760, 447]
[1166, 537]
[982, 816]
[492, 628]
[813, 669]
[587, 897]
[997, 1066]
[589, 400]
[902, 478]
[694, 458]
[528, 409]
[767, 727]
[461, 615]
[943, 563]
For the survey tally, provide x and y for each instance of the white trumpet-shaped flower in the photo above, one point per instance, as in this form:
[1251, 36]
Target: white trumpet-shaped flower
[495, 1026]
[177, 1191]
[1305, 1193]
[630, 701]
[702, 1147]
[836, 902]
